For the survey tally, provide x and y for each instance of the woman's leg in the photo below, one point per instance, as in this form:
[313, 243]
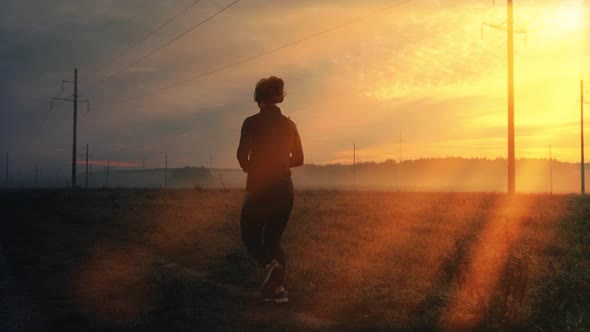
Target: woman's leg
[253, 218]
[282, 204]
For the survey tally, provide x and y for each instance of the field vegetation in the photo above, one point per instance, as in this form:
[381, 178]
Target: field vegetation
[172, 260]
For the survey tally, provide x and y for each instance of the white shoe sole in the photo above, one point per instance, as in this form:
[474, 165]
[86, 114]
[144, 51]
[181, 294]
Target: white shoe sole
[282, 300]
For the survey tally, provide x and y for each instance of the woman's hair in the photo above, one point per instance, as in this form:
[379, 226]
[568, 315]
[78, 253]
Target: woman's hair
[268, 88]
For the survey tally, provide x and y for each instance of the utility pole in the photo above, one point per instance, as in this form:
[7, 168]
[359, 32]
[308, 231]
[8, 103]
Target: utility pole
[354, 165]
[6, 179]
[582, 170]
[550, 170]
[108, 171]
[511, 154]
[166, 171]
[86, 165]
[36, 175]
[399, 171]
[509, 28]
[57, 171]
[401, 142]
[75, 126]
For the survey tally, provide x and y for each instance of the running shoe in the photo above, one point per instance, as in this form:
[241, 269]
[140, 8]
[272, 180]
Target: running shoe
[274, 278]
[280, 297]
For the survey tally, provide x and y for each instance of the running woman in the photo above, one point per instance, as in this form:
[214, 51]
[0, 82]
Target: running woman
[269, 147]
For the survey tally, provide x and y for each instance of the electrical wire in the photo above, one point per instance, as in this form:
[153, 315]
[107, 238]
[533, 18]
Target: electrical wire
[184, 33]
[258, 55]
[139, 42]
[237, 63]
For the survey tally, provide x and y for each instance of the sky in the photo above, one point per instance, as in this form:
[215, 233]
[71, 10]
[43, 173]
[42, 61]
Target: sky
[424, 73]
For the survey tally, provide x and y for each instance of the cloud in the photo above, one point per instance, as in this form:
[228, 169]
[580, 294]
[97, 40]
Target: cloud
[421, 69]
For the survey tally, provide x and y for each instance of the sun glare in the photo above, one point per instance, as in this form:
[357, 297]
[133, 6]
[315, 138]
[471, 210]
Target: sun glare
[565, 19]
[569, 19]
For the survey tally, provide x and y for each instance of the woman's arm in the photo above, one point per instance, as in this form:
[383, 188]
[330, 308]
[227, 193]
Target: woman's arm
[244, 147]
[296, 158]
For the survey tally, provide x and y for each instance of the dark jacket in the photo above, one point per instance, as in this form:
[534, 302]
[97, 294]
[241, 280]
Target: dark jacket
[269, 147]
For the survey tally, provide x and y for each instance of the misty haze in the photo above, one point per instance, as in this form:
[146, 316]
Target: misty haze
[311, 165]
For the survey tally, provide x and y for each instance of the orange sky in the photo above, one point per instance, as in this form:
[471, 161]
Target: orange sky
[421, 70]
[454, 85]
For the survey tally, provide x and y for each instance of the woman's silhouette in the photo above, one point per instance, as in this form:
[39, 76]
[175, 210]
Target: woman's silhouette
[269, 147]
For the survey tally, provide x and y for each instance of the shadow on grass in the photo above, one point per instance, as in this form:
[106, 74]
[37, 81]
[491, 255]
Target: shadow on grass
[566, 283]
[133, 281]
[401, 288]
[453, 269]
[135, 260]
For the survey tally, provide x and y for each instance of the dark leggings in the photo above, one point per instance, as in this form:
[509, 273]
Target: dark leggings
[263, 220]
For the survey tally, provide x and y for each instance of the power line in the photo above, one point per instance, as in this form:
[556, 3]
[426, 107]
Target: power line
[75, 131]
[237, 63]
[108, 78]
[134, 45]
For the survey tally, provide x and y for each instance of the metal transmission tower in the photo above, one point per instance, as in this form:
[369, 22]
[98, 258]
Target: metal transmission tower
[508, 26]
[75, 102]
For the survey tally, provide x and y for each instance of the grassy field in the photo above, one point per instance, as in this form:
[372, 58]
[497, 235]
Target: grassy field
[156, 260]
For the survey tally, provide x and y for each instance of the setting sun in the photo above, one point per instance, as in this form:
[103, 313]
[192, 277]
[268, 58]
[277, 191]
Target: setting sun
[570, 18]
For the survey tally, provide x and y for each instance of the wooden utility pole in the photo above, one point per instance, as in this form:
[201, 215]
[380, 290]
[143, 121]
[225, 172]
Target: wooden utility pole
[510, 30]
[401, 150]
[86, 166]
[108, 171]
[75, 126]
[6, 179]
[166, 171]
[354, 165]
[511, 154]
[550, 169]
[582, 168]
[57, 170]
[75, 136]
[401, 158]
[36, 170]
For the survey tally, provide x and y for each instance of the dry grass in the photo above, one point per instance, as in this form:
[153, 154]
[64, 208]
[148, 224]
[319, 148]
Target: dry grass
[126, 260]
